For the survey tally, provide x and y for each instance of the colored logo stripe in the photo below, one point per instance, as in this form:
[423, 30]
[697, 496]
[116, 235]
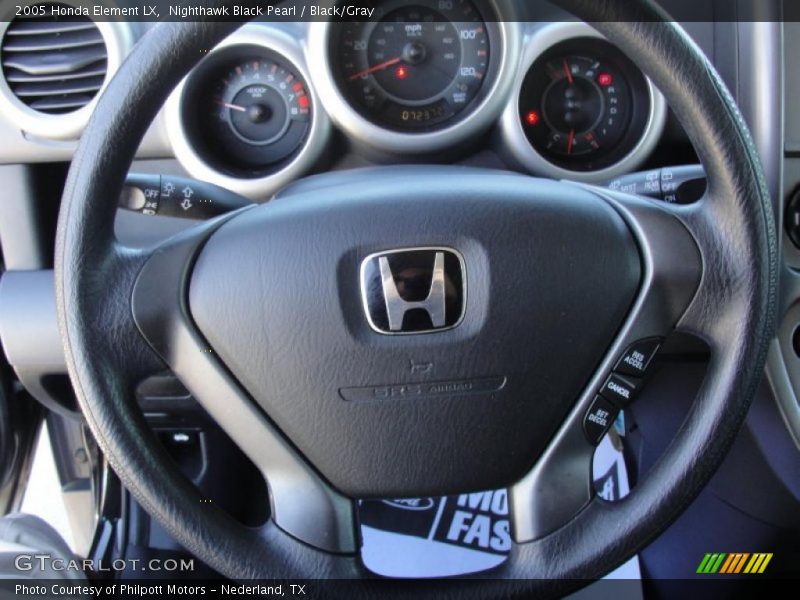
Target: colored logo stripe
[758, 563]
[730, 564]
[734, 563]
[711, 563]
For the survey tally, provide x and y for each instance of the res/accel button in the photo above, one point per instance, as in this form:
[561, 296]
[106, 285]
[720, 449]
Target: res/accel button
[637, 357]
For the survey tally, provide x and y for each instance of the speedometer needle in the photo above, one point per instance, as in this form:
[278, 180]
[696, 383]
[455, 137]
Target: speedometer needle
[231, 106]
[570, 141]
[383, 65]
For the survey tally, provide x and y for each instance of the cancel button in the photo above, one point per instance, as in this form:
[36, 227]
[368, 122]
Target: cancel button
[620, 390]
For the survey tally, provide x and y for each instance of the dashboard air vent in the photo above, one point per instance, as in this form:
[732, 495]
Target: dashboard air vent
[54, 65]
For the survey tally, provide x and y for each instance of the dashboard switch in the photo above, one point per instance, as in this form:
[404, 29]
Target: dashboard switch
[637, 357]
[793, 218]
[166, 195]
[642, 184]
[676, 185]
[682, 185]
[140, 193]
[598, 419]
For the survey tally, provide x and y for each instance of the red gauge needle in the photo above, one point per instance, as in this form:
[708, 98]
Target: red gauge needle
[231, 106]
[383, 65]
[570, 141]
[568, 72]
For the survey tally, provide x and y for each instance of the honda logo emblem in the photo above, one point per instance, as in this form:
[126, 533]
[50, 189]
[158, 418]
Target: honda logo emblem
[415, 290]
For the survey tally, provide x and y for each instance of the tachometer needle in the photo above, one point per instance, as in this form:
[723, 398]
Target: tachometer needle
[231, 106]
[570, 141]
[568, 72]
[383, 65]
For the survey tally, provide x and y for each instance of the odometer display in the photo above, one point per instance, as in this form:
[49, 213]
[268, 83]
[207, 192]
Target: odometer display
[415, 67]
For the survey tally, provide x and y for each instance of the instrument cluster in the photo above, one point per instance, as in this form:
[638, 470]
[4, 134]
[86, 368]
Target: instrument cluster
[420, 77]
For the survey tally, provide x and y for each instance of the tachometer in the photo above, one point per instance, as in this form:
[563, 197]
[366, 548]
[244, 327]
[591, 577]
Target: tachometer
[250, 113]
[415, 67]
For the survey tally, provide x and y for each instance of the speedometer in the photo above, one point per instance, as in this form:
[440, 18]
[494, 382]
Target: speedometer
[417, 66]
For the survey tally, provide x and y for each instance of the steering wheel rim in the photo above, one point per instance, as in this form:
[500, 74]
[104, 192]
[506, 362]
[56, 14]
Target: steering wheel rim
[733, 227]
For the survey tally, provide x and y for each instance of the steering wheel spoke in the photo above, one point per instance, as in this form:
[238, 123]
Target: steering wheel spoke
[560, 483]
[302, 504]
[107, 289]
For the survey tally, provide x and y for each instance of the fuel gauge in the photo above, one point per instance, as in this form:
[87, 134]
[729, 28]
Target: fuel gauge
[583, 105]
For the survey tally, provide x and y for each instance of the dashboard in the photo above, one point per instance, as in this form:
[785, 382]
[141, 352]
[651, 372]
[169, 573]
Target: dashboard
[424, 81]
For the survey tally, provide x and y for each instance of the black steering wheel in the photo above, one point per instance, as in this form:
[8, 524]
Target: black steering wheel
[260, 314]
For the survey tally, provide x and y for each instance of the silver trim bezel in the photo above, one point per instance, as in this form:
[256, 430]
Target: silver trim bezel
[259, 188]
[364, 131]
[119, 38]
[782, 369]
[363, 289]
[537, 41]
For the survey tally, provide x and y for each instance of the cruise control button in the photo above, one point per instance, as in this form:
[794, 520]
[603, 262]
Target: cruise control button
[637, 357]
[619, 390]
[598, 419]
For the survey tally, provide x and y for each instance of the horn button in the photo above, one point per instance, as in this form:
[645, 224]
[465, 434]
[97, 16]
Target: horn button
[418, 335]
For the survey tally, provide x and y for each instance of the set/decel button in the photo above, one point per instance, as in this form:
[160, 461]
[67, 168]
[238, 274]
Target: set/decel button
[599, 417]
